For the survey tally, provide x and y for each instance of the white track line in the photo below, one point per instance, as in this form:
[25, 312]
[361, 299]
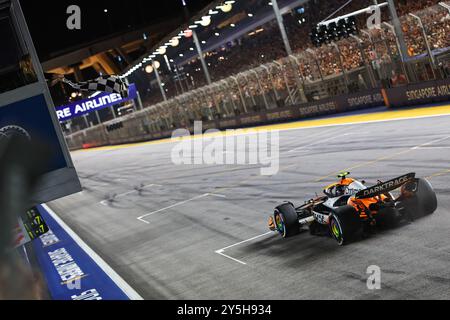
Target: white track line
[430, 143]
[141, 218]
[221, 251]
[433, 148]
[118, 280]
[105, 202]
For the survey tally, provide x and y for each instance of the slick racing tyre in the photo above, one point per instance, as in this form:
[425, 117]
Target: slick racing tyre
[424, 200]
[286, 220]
[345, 224]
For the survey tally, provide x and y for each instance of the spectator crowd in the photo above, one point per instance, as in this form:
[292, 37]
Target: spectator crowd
[253, 73]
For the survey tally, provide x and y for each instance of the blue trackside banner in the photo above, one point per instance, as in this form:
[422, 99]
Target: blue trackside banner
[99, 102]
[69, 271]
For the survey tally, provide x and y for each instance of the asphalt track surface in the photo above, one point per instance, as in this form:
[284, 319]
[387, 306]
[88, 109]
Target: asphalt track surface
[200, 232]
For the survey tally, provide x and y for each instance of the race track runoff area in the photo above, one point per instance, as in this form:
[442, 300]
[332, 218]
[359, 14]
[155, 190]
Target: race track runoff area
[200, 232]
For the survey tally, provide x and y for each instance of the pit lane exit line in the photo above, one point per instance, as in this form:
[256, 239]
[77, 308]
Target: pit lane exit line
[221, 251]
[141, 218]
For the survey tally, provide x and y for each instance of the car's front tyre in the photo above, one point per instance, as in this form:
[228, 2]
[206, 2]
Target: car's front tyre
[286, 220]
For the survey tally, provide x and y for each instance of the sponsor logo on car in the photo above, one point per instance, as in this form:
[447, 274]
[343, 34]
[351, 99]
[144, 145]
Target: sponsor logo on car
[385, 187]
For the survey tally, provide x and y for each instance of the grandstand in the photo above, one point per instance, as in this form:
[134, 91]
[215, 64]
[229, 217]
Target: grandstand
[251, 72]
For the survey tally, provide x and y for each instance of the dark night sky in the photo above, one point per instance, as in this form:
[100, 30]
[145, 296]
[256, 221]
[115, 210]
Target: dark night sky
[47, 19]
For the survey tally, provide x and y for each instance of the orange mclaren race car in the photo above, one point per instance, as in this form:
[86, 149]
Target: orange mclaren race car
[350, 209]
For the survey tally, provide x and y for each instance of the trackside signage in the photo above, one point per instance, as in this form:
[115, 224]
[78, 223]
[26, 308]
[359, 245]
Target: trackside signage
[70, 273]
[99, 102]
[419, 93]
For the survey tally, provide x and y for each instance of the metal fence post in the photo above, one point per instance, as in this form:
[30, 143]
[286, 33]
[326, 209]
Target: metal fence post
[227, 87]
[364, 59]
[300, 83]
[398, 31]
[285, 81]
[261, 89]
[427, 43]
[344, 73]
[277, 97]
[445, 6]
[240, 93]
[251, 96]
[312, 53]
[402, 62]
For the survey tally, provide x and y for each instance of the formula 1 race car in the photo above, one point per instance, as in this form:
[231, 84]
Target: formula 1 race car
[350, 209]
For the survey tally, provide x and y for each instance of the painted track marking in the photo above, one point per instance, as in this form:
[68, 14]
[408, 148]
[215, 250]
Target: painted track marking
[221, 251]
[141, 218]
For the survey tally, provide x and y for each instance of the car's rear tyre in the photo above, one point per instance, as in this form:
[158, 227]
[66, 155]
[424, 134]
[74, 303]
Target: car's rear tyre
[345, 224]
[286, 220]
[424, 201]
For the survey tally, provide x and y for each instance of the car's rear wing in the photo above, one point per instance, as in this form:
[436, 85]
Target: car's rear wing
[385, 187]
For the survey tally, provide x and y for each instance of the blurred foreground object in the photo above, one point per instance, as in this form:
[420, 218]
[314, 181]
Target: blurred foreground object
[20, 164]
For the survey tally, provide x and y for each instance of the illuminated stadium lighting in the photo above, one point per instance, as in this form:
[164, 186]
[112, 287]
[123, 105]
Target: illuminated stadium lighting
[156, 64]
[149, 69]
[74, 95]
[161, 50]
[206, 21]
[250, 15]
[226, 7]
[174, 42]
